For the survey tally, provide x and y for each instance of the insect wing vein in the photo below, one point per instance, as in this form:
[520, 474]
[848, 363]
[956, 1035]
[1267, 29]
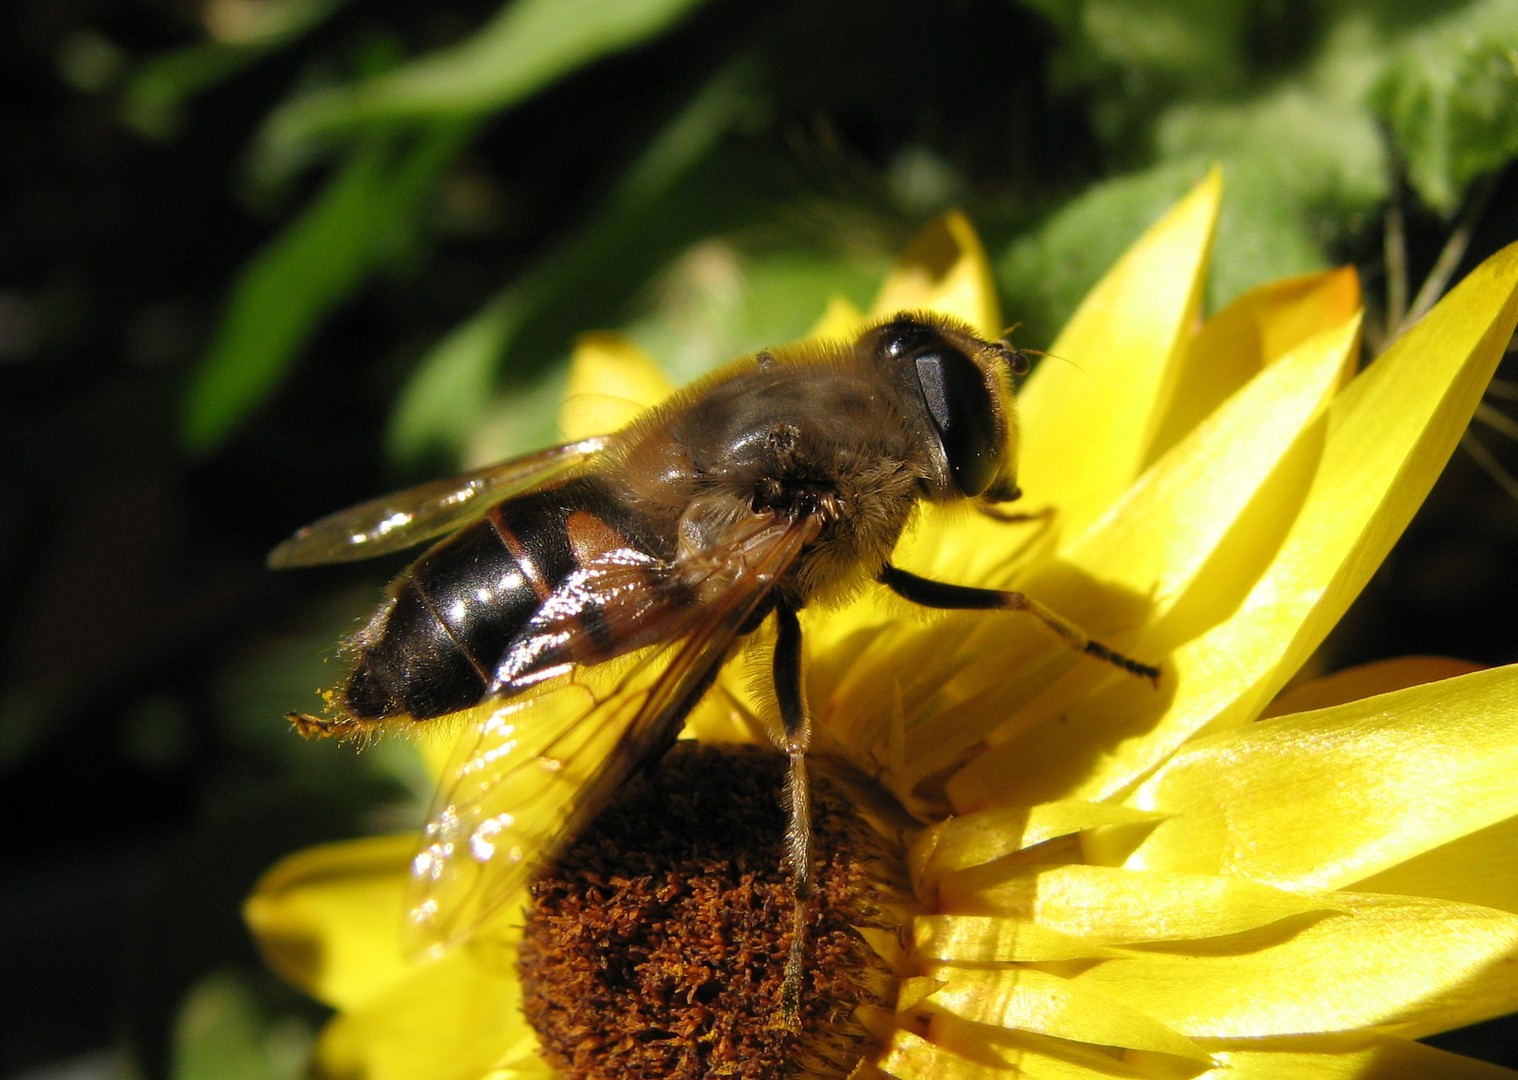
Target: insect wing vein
[540, 765]
[403, 519]
[623, 596]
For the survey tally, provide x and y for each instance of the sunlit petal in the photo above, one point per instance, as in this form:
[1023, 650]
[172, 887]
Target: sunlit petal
[1268, 801]
[1030, 1000]
[1366, 1059]
[1112, 906]
[955, 1050]
[971, 939]
[841, 319]
[1366, 680]
[1475, 869]
[455, 1019]
[1383, 442]
[1092, 409]
[1213, 501]
[1406, 965]
[1249, 334]
[611, 381]
[945, 269]
[328, 918]
[958, 843]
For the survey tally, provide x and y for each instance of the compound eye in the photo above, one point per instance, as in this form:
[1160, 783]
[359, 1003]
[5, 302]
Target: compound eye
[905, 335]
[960, 406]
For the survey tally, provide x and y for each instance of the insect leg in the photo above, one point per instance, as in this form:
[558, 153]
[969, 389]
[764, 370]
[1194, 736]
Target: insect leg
[797, 732]
[995, 512]
[941, 594]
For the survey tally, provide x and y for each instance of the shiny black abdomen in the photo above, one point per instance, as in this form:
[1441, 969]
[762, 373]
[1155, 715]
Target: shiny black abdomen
[433, 647]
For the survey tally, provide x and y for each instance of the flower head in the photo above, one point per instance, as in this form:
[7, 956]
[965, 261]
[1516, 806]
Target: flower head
[1094, 876]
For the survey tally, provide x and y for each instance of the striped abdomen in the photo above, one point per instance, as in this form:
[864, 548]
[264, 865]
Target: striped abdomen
[434, 646]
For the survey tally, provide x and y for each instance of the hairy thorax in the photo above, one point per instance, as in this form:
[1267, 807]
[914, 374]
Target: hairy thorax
[797, 441]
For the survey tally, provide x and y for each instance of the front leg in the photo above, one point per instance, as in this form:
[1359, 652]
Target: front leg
[796, 733]
[941, 594]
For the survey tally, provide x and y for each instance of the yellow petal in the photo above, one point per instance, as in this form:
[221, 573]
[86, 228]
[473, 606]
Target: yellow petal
[1270, 801]
[946, 270]
[1404, 965]
[1065, 403]
[1171, 524]
[611, 381]
[970, 939]
[958, 843]
[1373, 1059]
[1112, 906]
[328, 919]
[1386, 438]
[726, 714]
[1092, 409]
[1251, 333]
[955, 1050]
[1030, 1000]
[1180, 550]
[1367, 680]
[964, 547]
[435, 743]
[1478, 868]
[1390, 434]
[841, 319]
[455, 1019]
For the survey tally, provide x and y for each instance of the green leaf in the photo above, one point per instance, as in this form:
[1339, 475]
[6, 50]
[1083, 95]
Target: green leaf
[350, 229]
[224, 1032]
[1337, 160]
[1130, 59]
[159, 89]
[1048, 272]
[722, 300]
[156, 95]
[527, 46]
[1266, 230]
[1198, 42]
[450, 393]
[452, 388]
[1286, 213]
[1451, 98]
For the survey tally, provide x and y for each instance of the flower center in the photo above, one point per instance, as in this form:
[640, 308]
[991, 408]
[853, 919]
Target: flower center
[656, 945]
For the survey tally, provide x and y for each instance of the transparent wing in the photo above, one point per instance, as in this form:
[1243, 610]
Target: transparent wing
[396, 521]
[542, 764]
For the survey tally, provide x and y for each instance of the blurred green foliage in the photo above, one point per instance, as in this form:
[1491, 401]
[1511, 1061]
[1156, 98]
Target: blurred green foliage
[343, 245]
[1309, 108]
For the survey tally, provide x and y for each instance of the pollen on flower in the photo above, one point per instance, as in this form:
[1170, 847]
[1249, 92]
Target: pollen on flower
[656, 946]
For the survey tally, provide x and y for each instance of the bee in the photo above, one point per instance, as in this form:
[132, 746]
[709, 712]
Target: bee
[781, 481]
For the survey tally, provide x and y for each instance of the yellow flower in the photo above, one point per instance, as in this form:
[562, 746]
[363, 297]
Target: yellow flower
[1224, 876]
